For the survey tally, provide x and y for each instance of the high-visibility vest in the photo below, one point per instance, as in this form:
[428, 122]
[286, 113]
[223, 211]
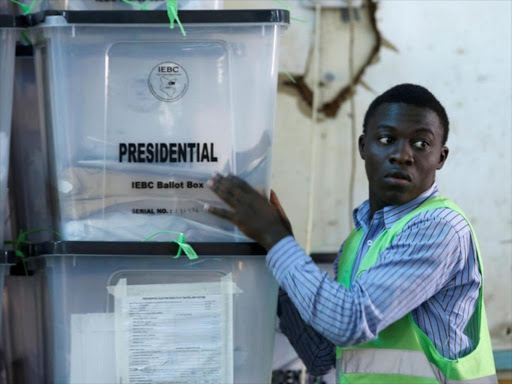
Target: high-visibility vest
[403, 353]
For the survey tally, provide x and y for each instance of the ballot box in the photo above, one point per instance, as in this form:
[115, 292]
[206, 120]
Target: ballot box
[7, 260]
[9, 28]
[113, 5]
[22, 333]
[29, 180]
[138, 116]
[35, 6]
[131, 312]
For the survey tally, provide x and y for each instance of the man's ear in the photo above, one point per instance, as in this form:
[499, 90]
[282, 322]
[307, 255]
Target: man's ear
[442, 157]
[361, 146]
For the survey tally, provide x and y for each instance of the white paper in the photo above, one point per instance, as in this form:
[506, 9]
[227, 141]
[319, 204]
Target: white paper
[174, 333]
[93, 348]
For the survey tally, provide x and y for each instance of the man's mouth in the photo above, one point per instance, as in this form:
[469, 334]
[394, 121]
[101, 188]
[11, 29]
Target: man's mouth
[398, 177]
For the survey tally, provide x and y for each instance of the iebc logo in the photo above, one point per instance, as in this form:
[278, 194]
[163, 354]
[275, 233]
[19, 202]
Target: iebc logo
[168, 81]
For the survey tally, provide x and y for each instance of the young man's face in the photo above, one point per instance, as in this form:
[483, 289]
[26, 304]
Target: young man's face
[402, 149]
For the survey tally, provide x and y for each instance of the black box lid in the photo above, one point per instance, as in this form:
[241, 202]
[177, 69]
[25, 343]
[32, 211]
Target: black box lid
[12, 21]
[277, 16]
[141, 248]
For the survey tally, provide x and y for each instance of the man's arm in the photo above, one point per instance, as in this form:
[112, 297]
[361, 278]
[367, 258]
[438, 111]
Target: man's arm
[422, 258]
[315, 351]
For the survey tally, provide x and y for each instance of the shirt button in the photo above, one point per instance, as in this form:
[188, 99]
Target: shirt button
[369, 243]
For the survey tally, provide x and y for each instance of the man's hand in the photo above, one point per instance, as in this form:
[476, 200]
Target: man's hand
[251, 212]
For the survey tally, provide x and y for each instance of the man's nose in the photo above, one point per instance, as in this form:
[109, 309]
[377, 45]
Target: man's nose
[402, 154]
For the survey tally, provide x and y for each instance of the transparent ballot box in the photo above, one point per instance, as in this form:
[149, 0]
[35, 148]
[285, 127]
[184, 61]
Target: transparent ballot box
[7, 260]
[35, 6]
[138, 117]
[133, 313]
[29, 181]
[22, 330]
[9, 28]
[120, 5]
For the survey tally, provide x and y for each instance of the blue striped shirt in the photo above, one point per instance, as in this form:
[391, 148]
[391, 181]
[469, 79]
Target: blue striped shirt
[430, 269]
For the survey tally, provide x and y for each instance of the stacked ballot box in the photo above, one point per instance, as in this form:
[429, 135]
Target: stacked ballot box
[9, 30]
[120, 5]
[127, 120]
[131, 313]
[22, 356]
[35, 6]
[29, 181]
[136, 117]
[7, 260]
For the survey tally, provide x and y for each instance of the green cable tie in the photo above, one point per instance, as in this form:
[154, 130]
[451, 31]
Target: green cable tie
[290, 77]
[22, 240]
[283, 4]
[182, 244]
[26, 8]
[32, 4]
[144, 6]
[172, 13]
[298, 19]
[171, 4]
[287, 7]
[25, 38]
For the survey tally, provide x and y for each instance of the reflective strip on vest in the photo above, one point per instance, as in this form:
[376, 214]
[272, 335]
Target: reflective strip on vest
[396, 362]
[492, 379]
[386, 361]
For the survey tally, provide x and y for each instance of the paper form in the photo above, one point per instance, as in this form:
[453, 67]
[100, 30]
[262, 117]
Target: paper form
[174, 333]
[92, 349]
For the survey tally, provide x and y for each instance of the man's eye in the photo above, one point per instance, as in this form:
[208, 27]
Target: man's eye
[386, 140]
[420, 144]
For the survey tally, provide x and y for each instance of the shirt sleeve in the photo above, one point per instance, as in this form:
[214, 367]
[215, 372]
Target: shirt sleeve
[422, 258]
[316, 352]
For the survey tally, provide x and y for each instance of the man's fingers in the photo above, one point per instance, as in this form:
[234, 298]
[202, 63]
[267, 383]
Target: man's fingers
[221, 187]
[239, 184]
[275, 202]
[220, 212]
[230, 182]
[233, 190]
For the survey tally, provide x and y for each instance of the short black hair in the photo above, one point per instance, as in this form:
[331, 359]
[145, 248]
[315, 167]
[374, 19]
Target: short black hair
[414, 95]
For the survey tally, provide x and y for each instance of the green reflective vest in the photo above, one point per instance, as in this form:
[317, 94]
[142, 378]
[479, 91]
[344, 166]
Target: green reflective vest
[403, 353]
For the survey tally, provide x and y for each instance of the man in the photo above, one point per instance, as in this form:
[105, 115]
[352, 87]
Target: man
[406, 305]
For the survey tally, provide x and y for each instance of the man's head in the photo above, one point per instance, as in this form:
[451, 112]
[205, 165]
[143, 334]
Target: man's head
[402, 144]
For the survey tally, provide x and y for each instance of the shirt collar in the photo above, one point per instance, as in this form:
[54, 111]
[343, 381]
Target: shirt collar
[391, 213]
